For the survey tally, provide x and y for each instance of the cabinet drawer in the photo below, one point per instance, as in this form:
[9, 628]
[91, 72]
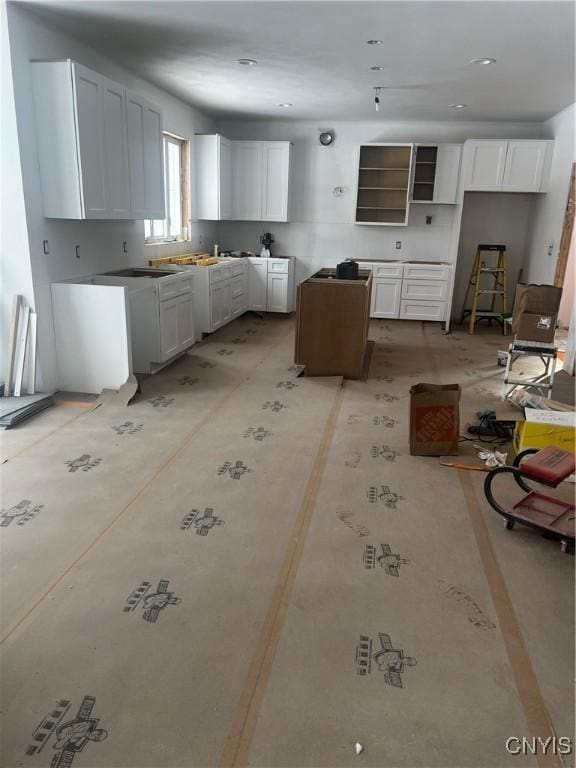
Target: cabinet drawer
[238, 305]
[278, 266]
[237, 268]
[427, 271]
[424, 290]
[383, 269]
[219, 272]
[238, 286]
[422, 310]
[176, 286]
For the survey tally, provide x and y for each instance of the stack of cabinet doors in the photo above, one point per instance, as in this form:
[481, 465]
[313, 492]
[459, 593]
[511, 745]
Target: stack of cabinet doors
[100, 146]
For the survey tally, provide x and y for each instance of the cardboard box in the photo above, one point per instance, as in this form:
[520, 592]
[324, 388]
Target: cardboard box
[543, 428]
[537, 299]
[434, 419]
[534, 327]
[535, 312]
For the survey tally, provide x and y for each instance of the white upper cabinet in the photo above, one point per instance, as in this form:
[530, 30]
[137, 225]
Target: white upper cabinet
[213, 173]
[117, 178]
[260, 180]
[247, 163]
[94, 155]
[436, 173]
[275, 180]
[485, 165]
[87, 141]
[525, 165]
[507, 166]
[146, 158]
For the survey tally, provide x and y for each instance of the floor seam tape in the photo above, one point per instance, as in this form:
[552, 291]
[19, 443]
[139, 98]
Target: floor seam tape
[533, 705]
[239, 740]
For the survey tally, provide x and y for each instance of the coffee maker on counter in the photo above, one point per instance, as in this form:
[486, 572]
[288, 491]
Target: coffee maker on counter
[266, 241]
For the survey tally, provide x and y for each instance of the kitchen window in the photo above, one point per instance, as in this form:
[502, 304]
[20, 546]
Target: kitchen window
[176, 190]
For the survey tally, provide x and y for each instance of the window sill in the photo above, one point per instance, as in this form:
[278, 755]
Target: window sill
[166, 242]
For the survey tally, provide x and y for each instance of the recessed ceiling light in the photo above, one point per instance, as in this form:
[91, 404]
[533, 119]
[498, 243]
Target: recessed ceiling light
[374, 42]
[482, 61]
[457, 106]
[376, 69]
[247, 62]
[287, 104]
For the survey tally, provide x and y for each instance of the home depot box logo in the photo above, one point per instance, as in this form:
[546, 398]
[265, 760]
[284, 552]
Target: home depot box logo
[434, 419]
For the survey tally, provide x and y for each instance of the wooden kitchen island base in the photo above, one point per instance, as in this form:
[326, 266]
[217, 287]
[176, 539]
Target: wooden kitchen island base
[332, 324]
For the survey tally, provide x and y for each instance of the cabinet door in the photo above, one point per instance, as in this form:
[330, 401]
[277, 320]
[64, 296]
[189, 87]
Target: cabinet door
[257, 285]
[275, 180]
[185, 309]
[247, 180]
[226, 302]
[115, 150]
[225, 162]
[524, 166]
[90, 141]
[485, 161]
[385, 301]
[169, 337]
[154, 162]
[216, 306]
[146, 158]
[447, 172]
[277, 293]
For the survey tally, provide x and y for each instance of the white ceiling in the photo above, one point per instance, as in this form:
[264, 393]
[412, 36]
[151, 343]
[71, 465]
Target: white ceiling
[314, 54]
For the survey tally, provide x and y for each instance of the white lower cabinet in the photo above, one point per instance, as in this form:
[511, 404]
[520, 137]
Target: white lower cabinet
[409, 290]
[110, 326]
[226, 290]
[385, 301]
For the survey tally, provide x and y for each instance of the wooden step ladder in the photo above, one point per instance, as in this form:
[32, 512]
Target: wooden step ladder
[497, 289]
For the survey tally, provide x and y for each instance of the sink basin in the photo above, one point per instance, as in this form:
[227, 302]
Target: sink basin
[139, 272]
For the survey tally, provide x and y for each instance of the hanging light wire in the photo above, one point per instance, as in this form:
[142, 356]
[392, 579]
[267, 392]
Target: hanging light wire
[377, 99]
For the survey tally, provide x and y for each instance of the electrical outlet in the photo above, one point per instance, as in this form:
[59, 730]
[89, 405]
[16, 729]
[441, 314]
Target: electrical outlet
[200, 239]
[550, 249]
[398, 244]
[428, 219]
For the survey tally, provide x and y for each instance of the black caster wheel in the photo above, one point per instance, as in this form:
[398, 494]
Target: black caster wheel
[508, 524]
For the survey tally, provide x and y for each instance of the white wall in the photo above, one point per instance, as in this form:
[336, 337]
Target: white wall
[492, 217]
[548, 214]
[100, 241]
[322, 232]
[16, 274]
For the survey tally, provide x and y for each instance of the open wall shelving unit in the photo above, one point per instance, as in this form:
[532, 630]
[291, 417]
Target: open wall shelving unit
[424, 173]
[384, 180]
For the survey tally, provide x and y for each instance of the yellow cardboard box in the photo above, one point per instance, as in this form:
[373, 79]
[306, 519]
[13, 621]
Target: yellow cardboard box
[542, 428]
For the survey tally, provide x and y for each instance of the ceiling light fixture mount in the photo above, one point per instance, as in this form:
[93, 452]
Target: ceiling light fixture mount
[247, 62]
[483, 61]
[374, 42]
[457, 106]
[286, 104]
[377, 69]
